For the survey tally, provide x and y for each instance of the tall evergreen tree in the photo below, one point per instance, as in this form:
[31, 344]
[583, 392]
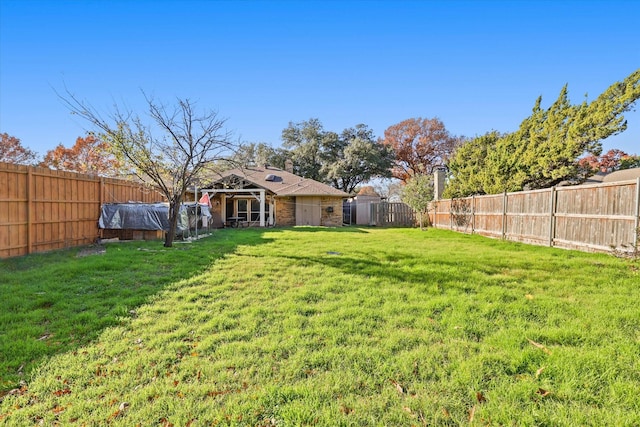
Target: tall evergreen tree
[547, 147]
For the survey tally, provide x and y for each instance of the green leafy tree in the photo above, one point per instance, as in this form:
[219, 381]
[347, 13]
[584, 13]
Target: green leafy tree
[342, 160]
[260, 154]
[547, 147]
[630, 162]
[468, 168]
[417, 193]
[304, 140]
[353, 158]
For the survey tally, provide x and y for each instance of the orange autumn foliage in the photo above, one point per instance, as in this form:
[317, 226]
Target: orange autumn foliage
[12, 151]
[89, 155]
[420, 146]
[607, 162]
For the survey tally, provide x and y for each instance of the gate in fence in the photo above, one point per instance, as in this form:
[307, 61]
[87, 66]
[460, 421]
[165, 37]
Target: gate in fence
[386, 214]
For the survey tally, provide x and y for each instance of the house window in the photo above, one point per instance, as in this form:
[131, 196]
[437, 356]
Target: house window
[247, 208]
[255, 210]
[242, 209]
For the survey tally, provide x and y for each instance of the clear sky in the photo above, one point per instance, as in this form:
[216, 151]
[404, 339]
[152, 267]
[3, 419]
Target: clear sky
[476, 65]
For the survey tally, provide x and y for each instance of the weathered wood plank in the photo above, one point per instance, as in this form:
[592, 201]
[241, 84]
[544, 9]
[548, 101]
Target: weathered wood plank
[593, 217]
[42, 209]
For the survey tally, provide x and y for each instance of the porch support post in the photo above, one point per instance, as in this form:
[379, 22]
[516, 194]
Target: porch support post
[636, 230]
[262, 197]
[272, 210]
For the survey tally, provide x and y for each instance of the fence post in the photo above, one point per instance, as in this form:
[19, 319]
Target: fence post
[636, 230]
[434, 205]
[101, 192]
[371, 214]
[504, 215]
[451, 214]
[473, 213]
[29, 210]
[552, 216]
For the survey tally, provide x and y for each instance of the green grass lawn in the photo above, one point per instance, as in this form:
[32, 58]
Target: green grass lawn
[311, 326]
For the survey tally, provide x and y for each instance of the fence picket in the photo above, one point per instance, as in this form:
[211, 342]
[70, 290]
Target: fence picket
[600, 217]
[42, 209]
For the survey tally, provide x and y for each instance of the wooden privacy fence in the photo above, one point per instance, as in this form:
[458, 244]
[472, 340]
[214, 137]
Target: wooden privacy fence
[43, 209]
[391, 214]
[598, 217]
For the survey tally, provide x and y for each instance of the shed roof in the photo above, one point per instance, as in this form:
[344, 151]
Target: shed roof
[621, 175]
[281, 182]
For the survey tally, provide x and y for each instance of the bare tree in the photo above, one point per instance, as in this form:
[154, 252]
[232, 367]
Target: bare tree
[186, 143]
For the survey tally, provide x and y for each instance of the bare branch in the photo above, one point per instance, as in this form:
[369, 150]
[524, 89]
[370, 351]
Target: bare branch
[188, 144]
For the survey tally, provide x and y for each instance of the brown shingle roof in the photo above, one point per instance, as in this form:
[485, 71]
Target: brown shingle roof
[621, 175]
[284, 184]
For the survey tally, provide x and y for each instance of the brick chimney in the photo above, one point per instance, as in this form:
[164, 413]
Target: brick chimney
[288, 165]
[439, 175]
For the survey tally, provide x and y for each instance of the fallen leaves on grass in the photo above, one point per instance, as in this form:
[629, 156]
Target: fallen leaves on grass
[398, 387]
[123, 406]
[543, 393]
[215, 393]
[14, 392]
[346, 410]
[539, 372]
[472, 412]
[540, 346]
[62, 392]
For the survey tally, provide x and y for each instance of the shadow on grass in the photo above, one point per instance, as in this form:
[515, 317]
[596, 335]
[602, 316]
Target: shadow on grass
[397, 269]
[313, 229]
[56, 302]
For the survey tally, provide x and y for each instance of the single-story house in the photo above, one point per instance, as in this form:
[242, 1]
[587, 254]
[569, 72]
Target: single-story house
[262, 196]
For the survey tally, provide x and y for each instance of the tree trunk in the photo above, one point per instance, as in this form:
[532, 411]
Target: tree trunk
[174, 209]
[428, 219]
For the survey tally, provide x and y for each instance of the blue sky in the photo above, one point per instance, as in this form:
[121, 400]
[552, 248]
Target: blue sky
[476, 65]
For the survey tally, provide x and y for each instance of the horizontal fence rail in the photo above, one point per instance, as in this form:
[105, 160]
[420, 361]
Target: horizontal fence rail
[43, 209]
[600, 217]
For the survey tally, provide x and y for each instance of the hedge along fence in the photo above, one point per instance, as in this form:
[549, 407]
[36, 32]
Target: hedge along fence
[601, 217]
[43, 209]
